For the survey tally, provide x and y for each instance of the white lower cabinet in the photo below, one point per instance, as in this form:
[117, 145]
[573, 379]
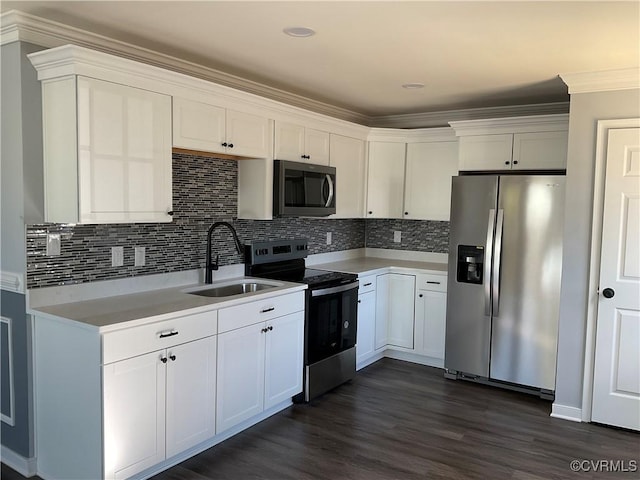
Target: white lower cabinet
[395, 310]
[365, 339]
[431, 307]
[259, 365]
[157, 405]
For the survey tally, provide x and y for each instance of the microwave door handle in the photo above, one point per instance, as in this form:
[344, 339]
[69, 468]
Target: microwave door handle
[330, 183]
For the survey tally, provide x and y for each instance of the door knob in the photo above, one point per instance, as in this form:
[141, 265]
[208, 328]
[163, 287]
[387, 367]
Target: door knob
[608, 293]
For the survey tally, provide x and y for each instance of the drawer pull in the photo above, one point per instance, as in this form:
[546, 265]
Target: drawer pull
[367, 284]
[169, 334]
[434, 283]
[271, 309]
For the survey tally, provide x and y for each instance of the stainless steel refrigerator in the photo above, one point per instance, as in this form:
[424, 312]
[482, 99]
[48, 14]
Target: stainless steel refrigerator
[505, 257]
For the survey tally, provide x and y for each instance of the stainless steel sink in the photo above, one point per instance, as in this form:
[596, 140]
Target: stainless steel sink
[232, 289]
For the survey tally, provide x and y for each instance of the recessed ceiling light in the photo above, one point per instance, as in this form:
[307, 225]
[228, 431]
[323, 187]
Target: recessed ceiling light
[299, 31]
[413, 86]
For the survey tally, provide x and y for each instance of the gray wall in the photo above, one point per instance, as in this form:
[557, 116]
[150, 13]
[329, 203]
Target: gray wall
[585, 111]
[21, 200]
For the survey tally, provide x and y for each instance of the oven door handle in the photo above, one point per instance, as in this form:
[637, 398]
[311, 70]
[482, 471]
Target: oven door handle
[330, 290]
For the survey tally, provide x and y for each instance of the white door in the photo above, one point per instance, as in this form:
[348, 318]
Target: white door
[124, 153]
[249, 135]
[365, 342]
[283, 358]
[191, 394]
[347, 155]
[134, 409]
[240, 379]
[400, 316]
[616, 381]
[316, 146]
[385, 180]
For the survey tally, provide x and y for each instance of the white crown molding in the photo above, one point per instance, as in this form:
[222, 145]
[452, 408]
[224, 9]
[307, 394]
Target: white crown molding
[414, 135]
[608, 80]
[492, 126]
[11, 281]
[440, 119]
[19, 26]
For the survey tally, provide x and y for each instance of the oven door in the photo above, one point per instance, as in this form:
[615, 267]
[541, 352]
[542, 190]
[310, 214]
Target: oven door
[331, 321]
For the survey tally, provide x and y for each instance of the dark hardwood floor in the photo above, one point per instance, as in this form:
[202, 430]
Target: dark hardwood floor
[398, 420]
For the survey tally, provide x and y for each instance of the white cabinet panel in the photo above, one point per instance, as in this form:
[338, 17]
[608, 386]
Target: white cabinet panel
[240, 379]
[134, 414]
[191, 394]
[540, 150]
[347, 156]
[486, 152]
[107, 152]
[429, 169]
[198, 125]
[395, 310]
[210, 128]
[385, 180]
[430, 323]
[365, 342]
[283, 358]
[296, 143]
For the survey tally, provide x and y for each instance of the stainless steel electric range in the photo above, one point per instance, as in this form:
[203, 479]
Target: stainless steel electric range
[331, 309]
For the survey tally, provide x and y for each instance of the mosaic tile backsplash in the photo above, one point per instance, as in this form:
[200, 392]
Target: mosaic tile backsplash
[204, 191]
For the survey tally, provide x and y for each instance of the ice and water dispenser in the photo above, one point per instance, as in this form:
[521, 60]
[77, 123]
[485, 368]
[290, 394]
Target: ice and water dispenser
[470, 263]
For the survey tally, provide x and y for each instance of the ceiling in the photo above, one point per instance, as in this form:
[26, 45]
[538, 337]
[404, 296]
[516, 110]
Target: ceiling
[467, 54]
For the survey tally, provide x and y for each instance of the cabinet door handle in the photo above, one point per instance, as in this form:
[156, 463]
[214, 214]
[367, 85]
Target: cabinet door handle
[515, 162]
[263, 330]
[420, 295]
[359, 301]
[224, 144]
[231, 145]
[270, 327]
[169, 334]
[270, 309]
[367, 284]
[507, 162]
[170, 213]
[433, 283]
[163, 359]
[172, 357]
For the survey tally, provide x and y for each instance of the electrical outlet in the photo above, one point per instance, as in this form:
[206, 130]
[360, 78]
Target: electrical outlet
[53, 244]
[139, 260]
[397, 236]
[329, 239]
[117, 256]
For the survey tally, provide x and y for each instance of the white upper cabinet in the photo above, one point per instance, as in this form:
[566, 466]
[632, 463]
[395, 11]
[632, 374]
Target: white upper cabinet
[347, 156]
[429, 169]
[299, 144]
[107, 152]
[385, 180]
[210, 128]
[519, 143]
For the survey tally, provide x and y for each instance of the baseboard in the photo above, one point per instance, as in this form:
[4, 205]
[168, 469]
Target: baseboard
[24, 466]
[414, 358]
[565, 412]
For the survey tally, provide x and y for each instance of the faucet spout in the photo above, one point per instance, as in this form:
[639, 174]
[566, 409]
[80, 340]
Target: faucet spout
[210, 266]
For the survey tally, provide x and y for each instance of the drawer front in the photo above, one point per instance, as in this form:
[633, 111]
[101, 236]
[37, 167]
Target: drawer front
[437, 283]
[366, 284]
[135, 341]
[255, 312]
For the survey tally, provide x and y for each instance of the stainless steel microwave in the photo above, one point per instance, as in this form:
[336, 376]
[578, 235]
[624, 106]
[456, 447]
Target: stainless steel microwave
[303, 189]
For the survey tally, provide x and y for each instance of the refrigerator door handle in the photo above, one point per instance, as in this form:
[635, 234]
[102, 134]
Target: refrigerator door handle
[497, 256]
[488, 251]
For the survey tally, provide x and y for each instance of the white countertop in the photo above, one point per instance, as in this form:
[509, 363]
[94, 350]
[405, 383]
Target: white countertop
[138, 308]
[372, 265]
